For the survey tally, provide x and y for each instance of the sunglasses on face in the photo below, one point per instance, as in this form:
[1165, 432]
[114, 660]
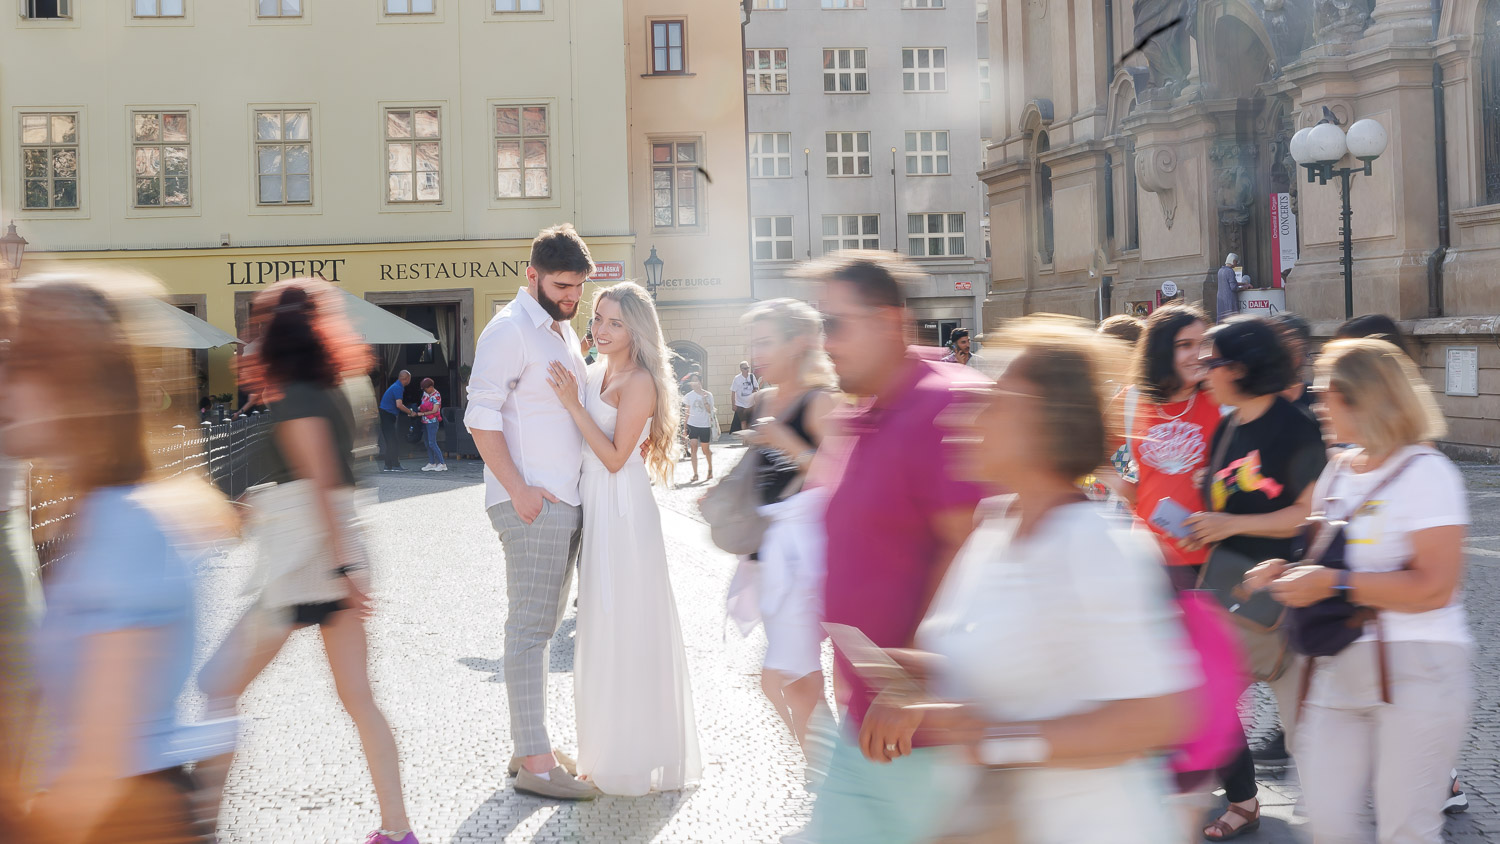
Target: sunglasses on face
[1215, 362]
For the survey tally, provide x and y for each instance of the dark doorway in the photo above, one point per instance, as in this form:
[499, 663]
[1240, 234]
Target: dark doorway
[438, 361]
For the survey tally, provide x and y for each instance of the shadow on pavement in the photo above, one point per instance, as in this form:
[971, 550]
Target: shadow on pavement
[560, 662]
[506, 811]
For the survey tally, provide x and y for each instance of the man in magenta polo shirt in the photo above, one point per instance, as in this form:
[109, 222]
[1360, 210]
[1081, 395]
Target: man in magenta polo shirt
[896, 517]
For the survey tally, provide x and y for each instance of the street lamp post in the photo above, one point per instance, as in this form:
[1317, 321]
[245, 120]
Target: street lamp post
[12, 249]
[1318, 148]
[653, 273]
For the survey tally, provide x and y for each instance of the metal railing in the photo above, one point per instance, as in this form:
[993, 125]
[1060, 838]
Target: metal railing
[227, 453]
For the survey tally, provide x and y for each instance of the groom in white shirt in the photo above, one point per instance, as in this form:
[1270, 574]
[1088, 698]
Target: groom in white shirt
[533, 458]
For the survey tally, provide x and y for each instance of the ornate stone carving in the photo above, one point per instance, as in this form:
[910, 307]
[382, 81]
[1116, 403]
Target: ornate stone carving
[1289, 23]
[1339, 23]
[1156, 171]
[1163, 31]
[1233, 191]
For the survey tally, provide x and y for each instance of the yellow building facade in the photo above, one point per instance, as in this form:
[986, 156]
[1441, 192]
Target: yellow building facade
[689, 198]
[407, 150]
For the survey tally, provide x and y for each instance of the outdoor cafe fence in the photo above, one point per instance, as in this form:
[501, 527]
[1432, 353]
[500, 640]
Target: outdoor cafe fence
[227, 453]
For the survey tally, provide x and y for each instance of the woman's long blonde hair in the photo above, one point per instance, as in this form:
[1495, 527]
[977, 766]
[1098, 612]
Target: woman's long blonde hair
[650, 353]
[794, 320]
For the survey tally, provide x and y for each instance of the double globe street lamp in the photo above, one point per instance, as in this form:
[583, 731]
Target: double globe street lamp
[1319, 148]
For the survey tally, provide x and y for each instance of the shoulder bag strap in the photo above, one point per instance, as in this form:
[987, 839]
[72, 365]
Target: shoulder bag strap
[1223, 450]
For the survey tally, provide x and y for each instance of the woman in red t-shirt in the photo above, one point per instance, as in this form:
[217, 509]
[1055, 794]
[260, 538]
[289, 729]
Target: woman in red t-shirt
[1169, 423]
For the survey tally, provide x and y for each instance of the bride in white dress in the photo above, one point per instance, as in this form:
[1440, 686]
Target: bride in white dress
[632, 694]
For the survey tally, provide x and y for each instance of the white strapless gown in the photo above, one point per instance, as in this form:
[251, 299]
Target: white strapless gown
[632, 693]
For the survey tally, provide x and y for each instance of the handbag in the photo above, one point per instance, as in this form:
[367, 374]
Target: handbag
[1332, 624]
[294, 551]
[1258, 616]
[732, 506]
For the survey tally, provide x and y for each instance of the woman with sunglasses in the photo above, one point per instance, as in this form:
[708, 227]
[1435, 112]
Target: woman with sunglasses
[1264, 458]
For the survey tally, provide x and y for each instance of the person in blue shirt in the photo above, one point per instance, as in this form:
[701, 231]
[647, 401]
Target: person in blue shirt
[391, 404]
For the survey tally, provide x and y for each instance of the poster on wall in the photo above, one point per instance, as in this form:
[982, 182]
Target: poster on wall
[1141, 309]
[1283, 238]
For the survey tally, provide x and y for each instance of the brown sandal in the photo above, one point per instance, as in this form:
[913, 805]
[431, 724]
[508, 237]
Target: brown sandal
[1226, 832]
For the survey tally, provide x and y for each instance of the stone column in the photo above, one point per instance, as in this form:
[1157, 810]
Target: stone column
[1399, 22]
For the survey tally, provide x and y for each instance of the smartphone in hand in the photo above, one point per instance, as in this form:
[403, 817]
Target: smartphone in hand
[1170, 518]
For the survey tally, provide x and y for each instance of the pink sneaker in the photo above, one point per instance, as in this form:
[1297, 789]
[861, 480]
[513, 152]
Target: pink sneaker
[378, 837]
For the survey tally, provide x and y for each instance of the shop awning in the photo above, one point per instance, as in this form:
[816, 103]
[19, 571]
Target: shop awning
[166, 326]
[379, 326]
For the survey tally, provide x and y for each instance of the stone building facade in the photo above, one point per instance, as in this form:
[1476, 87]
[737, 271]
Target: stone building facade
[1115, 169]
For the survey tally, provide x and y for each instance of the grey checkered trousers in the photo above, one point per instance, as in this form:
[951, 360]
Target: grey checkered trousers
[539, 562]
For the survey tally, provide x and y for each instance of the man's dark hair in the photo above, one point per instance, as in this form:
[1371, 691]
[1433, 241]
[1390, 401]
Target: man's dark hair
[1155, 359]
[1254, 343]
[881, 278]
[560, 250]
[1294, 325]
[957, 335]
[1378, 326]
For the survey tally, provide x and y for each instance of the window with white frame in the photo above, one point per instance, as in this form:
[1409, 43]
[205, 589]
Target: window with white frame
[283, 157]
[772, 238]
[668, 47]
[845, 72]
[674, 184]
[843, 4]
[765, 71]
[770, 155]
[278, 8]
[523, 156]
[413, 155]
[924, 69]
[159, 8]
[47, 10]
[984, 80]
[49, 160]
[162, 159]
[410, 7]
[518, 5]
[927, 153]
[769, 5]
[850, 231]
[922, 4]
[935, 235]
[848, 153]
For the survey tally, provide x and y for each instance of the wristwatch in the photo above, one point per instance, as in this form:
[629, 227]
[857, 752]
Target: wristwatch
[1013, 747]
[1343, 587]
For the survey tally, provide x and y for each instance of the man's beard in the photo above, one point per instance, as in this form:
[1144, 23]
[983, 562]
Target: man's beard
[554, 308]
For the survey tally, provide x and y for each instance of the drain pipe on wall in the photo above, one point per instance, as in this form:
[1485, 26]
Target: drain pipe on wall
[1439, 256]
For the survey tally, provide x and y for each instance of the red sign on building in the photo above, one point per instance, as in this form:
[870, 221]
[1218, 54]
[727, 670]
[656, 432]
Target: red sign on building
[608, 271]
[963, 285]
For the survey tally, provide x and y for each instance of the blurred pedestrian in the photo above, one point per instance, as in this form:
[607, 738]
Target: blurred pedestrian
[701, 422]
[1266, 454]
[1386, 715]
[430, 411]
[1052, 655]
[1123, 327]
[115, 646]
[392, 407]
[743, 387]
[786, 339]
[1378, 326]
[20, 610]
[1296, 335]
[313, 567]
[896, 514]
[963, 348]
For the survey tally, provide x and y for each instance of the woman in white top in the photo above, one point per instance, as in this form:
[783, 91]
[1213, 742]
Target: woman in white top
[1404, 553]
[1053, 639]
[700, 423]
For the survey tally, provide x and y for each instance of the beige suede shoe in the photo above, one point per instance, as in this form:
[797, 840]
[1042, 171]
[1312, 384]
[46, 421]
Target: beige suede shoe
[563, 759]
[559, 785]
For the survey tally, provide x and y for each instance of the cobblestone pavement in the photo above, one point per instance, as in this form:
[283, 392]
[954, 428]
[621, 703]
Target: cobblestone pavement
[435, 660]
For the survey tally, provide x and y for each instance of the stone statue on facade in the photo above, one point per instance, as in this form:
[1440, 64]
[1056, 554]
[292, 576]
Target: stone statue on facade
[1289, 23]
[1340, 22]
[1163, 33]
